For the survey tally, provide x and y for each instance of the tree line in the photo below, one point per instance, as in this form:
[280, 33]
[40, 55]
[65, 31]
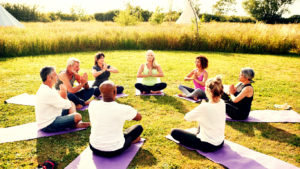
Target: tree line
[259, 10]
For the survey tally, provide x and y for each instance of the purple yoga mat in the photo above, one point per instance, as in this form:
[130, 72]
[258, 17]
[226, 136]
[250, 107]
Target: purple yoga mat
[27, 132]
[88, 160]
[271, 116]
[138, 92]
[235, 156]
[83, 108]
[118, 96]
[189, 99]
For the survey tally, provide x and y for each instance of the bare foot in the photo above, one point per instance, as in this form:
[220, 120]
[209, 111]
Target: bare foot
[144, 92]
[82, 125]
[79, 106]
[182, 95]
[137, 139]
[195, 98]
[156, 92]
[89, 101]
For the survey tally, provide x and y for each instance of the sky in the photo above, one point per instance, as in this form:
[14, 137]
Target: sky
[95, 6]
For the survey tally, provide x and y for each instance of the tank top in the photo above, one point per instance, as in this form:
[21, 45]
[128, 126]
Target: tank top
[243, 105]
[60, 82]
[150, 80]
[197, 85]
[101, 78]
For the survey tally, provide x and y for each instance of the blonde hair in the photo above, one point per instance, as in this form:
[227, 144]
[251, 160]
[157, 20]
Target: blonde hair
[71, 61]
[154, 63]
[215, 86]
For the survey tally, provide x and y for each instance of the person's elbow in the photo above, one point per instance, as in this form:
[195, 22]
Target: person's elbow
[138, 117]
[235, 101]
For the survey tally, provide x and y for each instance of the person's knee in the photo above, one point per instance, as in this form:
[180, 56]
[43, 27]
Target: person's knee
[180, 86]
[120, 89]
[71, 96]
[77, 117]
[174, 132]
[164, 85]
[139, 128]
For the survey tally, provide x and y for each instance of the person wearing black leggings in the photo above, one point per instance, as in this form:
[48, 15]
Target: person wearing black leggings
[238, 105]
[211, 118]
[101, 71]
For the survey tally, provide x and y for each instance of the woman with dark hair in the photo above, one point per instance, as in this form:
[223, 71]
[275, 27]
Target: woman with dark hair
[101, 72]
[211, 117]
[199, 78]
[238, 106]
[150, 72]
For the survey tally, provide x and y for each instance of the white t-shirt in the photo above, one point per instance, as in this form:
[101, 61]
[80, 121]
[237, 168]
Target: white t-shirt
[107, 120]
[212, 118]
[48, 105]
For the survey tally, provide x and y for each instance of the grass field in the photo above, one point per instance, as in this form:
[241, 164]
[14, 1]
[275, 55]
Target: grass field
[65, 37]
[276, 82]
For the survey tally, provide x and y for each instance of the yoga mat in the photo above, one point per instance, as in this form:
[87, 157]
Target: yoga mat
[189, 99]
[265, 116]
[83, 108]
[88, 160]
[138, 92]
[23, 99]
[27, 132]
[118, 96]
[235, 156]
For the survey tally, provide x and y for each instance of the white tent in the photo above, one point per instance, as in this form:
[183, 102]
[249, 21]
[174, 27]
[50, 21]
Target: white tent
[187, 15]
[6, 19]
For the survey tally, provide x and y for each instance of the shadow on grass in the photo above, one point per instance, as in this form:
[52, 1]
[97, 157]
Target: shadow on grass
[143, 158]
[267, 131]
[167, 100]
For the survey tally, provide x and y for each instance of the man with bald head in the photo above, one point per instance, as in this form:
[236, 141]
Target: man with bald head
[107, 119]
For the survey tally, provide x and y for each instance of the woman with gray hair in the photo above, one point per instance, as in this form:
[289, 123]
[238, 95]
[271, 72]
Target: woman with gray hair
[238, 105]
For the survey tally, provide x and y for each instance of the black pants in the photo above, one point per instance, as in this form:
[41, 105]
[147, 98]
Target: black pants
[97, 91]
[147, 89]
[191, 140]
[232, 111]
[130, 135]
[81, 96]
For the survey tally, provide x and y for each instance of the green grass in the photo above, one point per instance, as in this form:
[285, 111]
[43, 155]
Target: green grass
[276, 82]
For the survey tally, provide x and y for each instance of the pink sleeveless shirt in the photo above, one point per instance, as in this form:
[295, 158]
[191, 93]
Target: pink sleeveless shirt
[197, 85]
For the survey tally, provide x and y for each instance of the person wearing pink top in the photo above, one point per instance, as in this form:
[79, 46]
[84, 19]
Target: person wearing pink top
[199, 78]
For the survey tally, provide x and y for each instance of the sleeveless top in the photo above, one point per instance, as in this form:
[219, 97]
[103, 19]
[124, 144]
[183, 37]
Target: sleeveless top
[243, 105]
[60, 82]
[197, 85]
[150, 80]
[101, 78]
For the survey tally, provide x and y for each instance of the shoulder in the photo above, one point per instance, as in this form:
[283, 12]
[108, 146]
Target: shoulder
[205, 72]
[143, 65]
[248, 89]
[62, 75]
[95, 67]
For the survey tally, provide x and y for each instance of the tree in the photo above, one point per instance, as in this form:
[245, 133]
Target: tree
[222, 7]
[267, 10]
[77, 11]
[196, 5]
[125, 18]
[157, 17]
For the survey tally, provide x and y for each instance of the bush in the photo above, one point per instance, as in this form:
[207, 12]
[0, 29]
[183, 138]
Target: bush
[124, 18]
[157, 17]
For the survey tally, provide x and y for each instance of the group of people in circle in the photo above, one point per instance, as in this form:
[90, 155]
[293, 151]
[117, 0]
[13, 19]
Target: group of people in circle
[108, 117]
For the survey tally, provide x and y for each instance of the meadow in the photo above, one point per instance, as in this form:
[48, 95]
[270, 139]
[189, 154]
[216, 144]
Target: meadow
[65, 37]
[276, 82]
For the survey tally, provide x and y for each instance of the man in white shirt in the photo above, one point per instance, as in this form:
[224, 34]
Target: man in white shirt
[107, 119]
[52, 109]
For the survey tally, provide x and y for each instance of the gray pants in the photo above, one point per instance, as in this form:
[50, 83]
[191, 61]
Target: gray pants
[190, 92]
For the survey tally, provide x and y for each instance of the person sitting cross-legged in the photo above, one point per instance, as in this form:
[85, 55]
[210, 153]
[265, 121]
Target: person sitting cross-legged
[54, 112]
[107, 119]
[75, 94]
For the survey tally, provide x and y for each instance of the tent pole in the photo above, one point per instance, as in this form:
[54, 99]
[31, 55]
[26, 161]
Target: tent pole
[195, 17]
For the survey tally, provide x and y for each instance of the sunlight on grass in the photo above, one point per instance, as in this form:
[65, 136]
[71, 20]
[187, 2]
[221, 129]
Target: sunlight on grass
[276, 82]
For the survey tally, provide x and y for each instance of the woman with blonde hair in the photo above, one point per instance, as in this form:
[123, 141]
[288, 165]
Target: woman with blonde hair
[150, 71]
[211, 118]
[238, 106]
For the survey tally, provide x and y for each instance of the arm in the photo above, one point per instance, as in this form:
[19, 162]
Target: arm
[138, 117]
[246, 92]
[195, 114]
[160, 72]
[96, 73]
[63, 91]
[79, 79]
[64, 78]
[188, 77]
[113, 70]
[205, 75]
[139, 74]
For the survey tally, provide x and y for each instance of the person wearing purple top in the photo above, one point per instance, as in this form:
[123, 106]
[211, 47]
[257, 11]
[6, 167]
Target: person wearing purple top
[199, 78]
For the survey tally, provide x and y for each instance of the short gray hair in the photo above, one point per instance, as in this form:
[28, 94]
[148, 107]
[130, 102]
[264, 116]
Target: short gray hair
[71, 61]
[248, 73]
[45, 71]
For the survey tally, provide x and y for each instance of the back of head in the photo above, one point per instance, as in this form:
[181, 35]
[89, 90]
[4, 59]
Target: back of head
[45, 71]
[72, 61]
[215, 86]
[248, 73]
[107, 89]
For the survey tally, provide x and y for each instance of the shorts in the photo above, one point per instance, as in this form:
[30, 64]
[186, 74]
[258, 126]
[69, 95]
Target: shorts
[62, 122]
